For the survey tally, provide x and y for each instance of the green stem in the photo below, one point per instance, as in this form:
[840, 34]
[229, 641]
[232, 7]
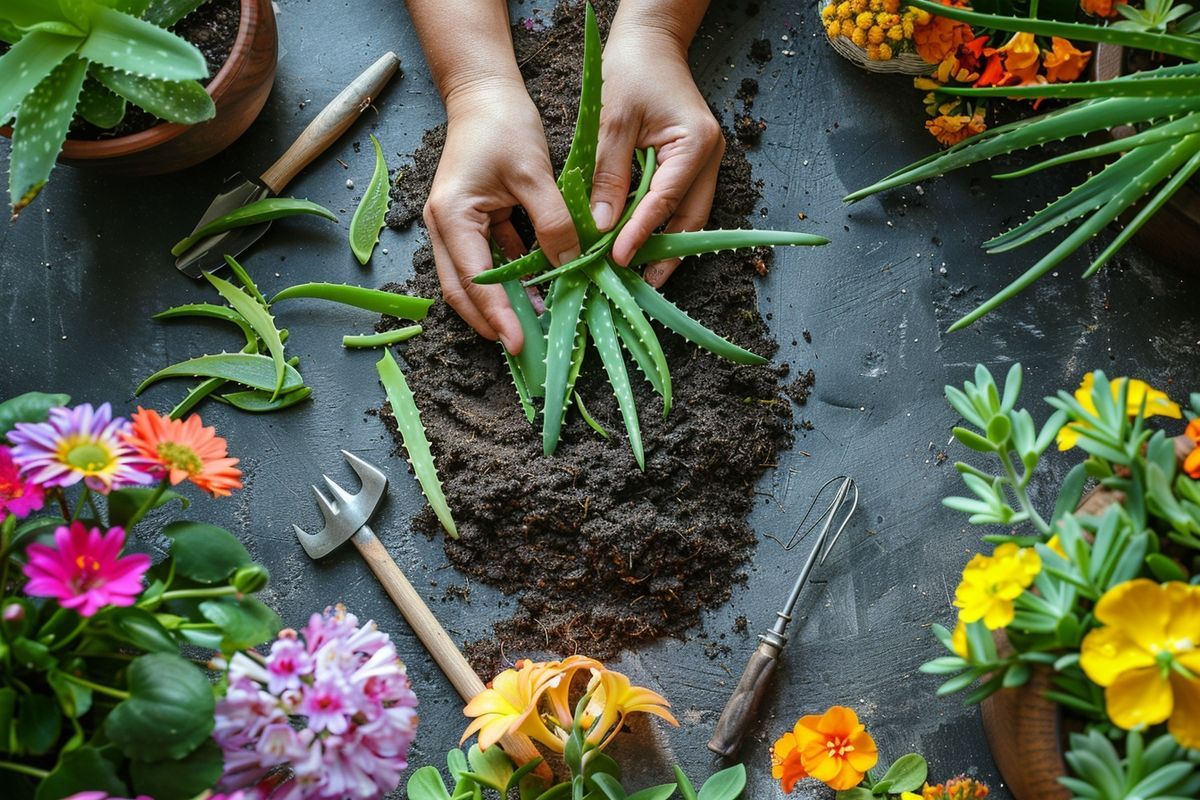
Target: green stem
[91, 501]
[183, 594]
[7, 529]
[1018, 486]
[32, 772]
[198, 626]
[79, 506]
[83, 622]
[95, 687]
[149, 504]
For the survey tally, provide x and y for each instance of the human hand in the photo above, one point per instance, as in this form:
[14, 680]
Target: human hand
[651, 99]
[495, 158]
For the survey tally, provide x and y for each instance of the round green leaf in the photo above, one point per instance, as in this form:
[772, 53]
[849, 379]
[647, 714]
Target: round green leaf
[725, 785]
[205, 553]
[180, 779]
[907, 774]
[169, 713]
[141, 629]
[28, 407]
[426, 784]
[244, 623]
[83, 769]
[999, 428]
[39, 722]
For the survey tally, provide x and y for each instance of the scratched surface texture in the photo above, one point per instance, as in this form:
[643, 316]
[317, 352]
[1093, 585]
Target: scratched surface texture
[87, 265]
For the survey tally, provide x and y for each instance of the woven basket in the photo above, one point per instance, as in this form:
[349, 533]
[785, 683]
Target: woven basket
[899, 64]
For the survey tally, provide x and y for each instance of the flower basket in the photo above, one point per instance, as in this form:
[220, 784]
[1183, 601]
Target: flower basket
[899, 64]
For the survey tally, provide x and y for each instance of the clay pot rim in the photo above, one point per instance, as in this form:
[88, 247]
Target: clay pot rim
[166, 131]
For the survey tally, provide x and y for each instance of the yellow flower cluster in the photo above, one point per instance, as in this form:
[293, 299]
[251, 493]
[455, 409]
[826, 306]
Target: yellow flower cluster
[878, 26]
[990, 584]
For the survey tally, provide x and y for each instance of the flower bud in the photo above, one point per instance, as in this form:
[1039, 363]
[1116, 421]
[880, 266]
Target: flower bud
[251, 578]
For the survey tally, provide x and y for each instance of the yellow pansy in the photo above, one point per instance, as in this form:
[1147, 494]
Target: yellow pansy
[1157, 404]
[991, 583]
[1147, 656]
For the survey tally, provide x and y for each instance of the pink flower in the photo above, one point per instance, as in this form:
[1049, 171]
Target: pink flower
[18, 496]
[77, 444]
[86, 571]
[287, 662]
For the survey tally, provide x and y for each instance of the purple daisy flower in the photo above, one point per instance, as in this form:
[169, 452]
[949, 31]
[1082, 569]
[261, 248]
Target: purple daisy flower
[77, 444]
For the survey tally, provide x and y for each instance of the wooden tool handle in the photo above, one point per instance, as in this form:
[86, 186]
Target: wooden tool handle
[332, 122]
[743, 704]
[431, 633]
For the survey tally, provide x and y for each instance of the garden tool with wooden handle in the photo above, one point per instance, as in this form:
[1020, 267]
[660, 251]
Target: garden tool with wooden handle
[742, 706]
[346, 517]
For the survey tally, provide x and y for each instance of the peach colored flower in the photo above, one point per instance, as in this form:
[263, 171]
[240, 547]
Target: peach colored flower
[1065, 62]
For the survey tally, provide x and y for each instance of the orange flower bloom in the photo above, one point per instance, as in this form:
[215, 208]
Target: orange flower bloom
[1022, 59]
[950, 129]
[1191, 464]
[1101, 8]
[183, 450]
[994, 73]
[939, 37]
[960, 788]
[1065, 62]
[834, 748]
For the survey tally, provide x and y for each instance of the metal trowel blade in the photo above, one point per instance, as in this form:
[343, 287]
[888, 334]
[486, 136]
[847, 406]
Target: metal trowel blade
[208, 254]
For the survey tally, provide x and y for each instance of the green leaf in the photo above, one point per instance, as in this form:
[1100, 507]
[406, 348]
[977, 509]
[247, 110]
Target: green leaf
[857, 793]
[973, 440]
[662, 246]
[29, 62]
[599, 319]
[165, 13]
[655, 792]
[1164, 568]
[582, 155]
[260, 320]
[385, 339]
[685, 785]
[179, 779]
[132, 45]
[39, 723]
[561, 341]
[80, 770]
[610, 786]
[1149, 85]
[256, 213]
[140, 628]
[181, 102]
[29, 407]
[412, 432]
[369, 216]
[169, 712]
[258, 401]
[99, 106]
[589, 419]
[533, 262]
[40, 129]
[724, 785]
[209, 311]
[124, 503]
[205, 553]
[253, 370]
[244, 622]
[395, 305]
[532, 358]
[426, 784]
[906, 774]
[491, 767]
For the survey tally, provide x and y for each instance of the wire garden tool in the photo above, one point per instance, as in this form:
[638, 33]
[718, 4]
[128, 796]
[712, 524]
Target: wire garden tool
[742, 706]
[346, 517]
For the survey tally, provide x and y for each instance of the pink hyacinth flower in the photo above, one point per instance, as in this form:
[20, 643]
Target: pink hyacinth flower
[18, 496]
[86, 570]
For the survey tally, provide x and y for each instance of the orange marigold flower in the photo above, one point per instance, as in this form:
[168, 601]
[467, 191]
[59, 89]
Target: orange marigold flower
[938, 37]
[1065, 62]
[950, 129]
[834, 748]
[1101, 8]
[960, 788]
[183, 450]
[1191, 464]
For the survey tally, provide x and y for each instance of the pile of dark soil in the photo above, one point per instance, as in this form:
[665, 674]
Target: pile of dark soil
[213, 28]
[599, 556]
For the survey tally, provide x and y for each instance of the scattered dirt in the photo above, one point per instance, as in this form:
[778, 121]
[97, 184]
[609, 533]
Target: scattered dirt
[213, 28]
[598, 556]
[760, 51]
[800, 389]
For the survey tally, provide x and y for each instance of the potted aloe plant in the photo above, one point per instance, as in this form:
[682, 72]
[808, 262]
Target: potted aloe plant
[68, 64]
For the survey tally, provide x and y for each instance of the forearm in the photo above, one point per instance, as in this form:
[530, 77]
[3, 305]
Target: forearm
[670, 22]
[467, 43]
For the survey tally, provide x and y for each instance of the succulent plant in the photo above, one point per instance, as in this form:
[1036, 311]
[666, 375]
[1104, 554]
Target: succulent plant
[1160, 770]
[88, 58]
[591, 298]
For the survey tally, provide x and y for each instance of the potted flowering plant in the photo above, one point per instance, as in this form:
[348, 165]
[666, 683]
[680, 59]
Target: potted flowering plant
[1090, 611]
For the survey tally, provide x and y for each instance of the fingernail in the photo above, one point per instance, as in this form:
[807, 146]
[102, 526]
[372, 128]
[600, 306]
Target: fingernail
[602, 214]
[504, 340]
[568, 255]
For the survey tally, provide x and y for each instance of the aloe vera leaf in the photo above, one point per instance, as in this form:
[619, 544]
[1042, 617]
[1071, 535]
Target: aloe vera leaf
[255, 213]
[27, 13]
[209, 311]
[250, 369]
[605, 277]
[256, 401]
[639, 352]
[678, 245]
[532, 358]
[1168, 86]
[528, 264]
[1123, 197]
[195, 395]
[29, 62]
[41, 127]
[1176, 129]
[382, 339]
[132, 45]
[99, 106]
[575, 195]
[260, 320]
[412, 433]
[246, 281]
[560, 347]
[599, 317]
[1170, 44]
[670, 315]
[165, 13]
[1088, 196]
[590, 257]
[589, 419]
[377, 300]
[514, 369]
[1181, 177]
[135, 7]
[369, 216]
[582, 155]
[184, 102]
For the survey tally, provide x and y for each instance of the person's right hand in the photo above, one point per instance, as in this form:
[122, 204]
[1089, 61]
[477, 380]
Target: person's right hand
[495, 158]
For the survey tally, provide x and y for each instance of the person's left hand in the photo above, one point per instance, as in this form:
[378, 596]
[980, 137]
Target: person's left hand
[651, 100]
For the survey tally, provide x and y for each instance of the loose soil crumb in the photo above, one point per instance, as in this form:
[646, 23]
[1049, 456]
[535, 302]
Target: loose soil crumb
[801, 388]
[598, 556]
[760, 51]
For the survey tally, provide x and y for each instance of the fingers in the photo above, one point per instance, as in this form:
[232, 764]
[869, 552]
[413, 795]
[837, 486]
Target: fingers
[614, 167]
[691, 215]
[537, 192]
[460, 252]
[507, 237]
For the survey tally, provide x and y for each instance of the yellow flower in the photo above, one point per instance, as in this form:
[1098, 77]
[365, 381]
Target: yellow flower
[875, 35]
[558, 694]
[1147, 656]
[613, 699]
[1055, 544]
[859, 37]
[1065, 61]
[848, 28]
[510, 705]
[958, 640]
[865, 20]
[844, 10]
[896, 34]
[828, 13]
[991, 583]
[835, 748]
[1157, 404]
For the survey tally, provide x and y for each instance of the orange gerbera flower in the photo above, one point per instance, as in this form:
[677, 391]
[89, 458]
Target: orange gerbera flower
[183, 450]
[950, 129]
[1191, 464]
[1065, 62]
[834, 748]
[939, 37]
[1101, 8]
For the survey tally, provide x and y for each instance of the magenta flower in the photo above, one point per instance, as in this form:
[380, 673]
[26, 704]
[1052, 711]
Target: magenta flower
[18, 496]
[86, 571]
[74, 444]
[349, 692]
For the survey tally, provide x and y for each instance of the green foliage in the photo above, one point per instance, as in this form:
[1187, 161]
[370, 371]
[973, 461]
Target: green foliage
[28, 407]
[372, 209]
[89, 57]
[260, 321]
[394, 305]
[591, 297]
[1155, 771]
[249, 369]
[265, 210]
[385, 339]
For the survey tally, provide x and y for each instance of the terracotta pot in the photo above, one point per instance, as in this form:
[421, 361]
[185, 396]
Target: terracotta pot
[1172, 235]
[1025, 730]
[239, 90]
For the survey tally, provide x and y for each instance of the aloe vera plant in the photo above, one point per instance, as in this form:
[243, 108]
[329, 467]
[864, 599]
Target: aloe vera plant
[90, 58]
[591, 299]
[1164, 104]
[372, 209]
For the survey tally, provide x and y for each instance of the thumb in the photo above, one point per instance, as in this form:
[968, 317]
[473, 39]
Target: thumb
[610, 185]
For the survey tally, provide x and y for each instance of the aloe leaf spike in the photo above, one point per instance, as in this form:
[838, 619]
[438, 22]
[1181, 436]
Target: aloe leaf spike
[692, 243]
[582, 155]
[42, 123]
[100, 106]
[590, 257]
[604, 334]
[195, 395]
[560, 349]
[518, 379]
[259, 319]
[589, 419]
[133, 45]
[184, 102]
[1166, 86]
[209, 311]
[246, 281]
[369, 217]
[638, 351]
[416, 444]
[604, 276]
[532, 262]
[256, 401]
[165, 13]
[532, 358]
[575, 195]
[384, 339]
